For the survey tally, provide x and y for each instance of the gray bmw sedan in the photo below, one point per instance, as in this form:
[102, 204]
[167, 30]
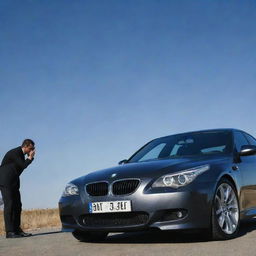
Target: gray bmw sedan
[196, 180]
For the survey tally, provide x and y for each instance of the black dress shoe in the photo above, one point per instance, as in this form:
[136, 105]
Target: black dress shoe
[23, 234]
[12, 235]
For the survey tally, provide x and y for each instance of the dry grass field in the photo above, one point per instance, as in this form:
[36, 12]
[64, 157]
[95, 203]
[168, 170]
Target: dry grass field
[35, 219]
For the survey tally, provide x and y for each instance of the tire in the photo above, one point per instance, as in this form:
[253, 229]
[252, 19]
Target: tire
[89, 236]
[225, 211]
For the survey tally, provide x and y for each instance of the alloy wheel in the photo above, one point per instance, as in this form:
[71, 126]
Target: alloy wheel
[226, 208]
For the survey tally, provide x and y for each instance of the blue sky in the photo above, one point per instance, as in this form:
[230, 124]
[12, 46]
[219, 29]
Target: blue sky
[92, 81]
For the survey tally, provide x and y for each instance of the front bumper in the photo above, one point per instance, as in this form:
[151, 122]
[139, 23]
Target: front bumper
[165, 209]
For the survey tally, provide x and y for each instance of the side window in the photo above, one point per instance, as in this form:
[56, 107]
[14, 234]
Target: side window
[153, 153]
[240, 140]
[175, 150]
[251, 140]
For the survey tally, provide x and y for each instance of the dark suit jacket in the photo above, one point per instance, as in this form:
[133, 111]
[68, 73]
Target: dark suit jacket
[12, 166]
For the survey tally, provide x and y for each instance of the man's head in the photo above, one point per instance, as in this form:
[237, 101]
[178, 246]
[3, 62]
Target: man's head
[28, 145]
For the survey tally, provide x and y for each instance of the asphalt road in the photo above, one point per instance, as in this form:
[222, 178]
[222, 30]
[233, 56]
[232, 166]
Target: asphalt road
[54, 242]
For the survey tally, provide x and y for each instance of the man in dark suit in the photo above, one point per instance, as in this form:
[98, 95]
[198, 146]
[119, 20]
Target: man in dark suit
[13, 164]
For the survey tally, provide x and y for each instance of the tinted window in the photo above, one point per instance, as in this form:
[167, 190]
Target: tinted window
[198, 143]
[251, 140]
[240, 140]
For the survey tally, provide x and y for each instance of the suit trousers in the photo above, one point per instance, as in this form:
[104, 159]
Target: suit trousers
[12, 208]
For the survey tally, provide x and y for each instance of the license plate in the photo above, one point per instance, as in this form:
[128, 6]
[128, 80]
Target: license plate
[111, 206]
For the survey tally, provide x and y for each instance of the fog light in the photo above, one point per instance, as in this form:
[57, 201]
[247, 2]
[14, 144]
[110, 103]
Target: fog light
[179, 214]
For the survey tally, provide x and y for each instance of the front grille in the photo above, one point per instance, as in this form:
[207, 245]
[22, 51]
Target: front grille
[125, 187]
[97, 189]
[114, 219]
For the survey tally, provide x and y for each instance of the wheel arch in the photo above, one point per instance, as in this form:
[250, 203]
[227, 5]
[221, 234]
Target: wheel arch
[230, 179]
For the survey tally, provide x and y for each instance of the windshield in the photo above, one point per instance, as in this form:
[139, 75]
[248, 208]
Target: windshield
[186, 144]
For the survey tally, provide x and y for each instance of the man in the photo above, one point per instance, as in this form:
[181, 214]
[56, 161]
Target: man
[12, 166]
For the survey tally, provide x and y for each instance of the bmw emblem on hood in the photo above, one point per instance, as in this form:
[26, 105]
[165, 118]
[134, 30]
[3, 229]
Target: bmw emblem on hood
[113, 175]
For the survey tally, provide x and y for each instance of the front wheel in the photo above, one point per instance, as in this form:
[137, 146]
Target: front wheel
[89, 236]
[225, 211]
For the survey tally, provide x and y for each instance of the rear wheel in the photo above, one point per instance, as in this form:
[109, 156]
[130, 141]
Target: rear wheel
[225, 211]
[89, 236]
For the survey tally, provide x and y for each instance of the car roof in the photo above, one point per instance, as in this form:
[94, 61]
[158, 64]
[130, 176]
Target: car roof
[206, 130]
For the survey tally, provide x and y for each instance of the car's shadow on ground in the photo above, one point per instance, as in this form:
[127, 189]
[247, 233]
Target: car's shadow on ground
[156, 236]
[247, 227]
[47, 233]
[172, 237]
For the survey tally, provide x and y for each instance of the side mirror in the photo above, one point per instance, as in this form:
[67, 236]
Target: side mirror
[123, 162]
[247, 150]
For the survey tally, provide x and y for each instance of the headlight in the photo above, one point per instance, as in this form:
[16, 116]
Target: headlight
[70, 190]
[180, 179]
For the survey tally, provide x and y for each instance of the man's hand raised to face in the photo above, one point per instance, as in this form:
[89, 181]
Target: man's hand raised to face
[31, 154]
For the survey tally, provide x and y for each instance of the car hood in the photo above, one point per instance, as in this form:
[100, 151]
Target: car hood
[150, 169]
